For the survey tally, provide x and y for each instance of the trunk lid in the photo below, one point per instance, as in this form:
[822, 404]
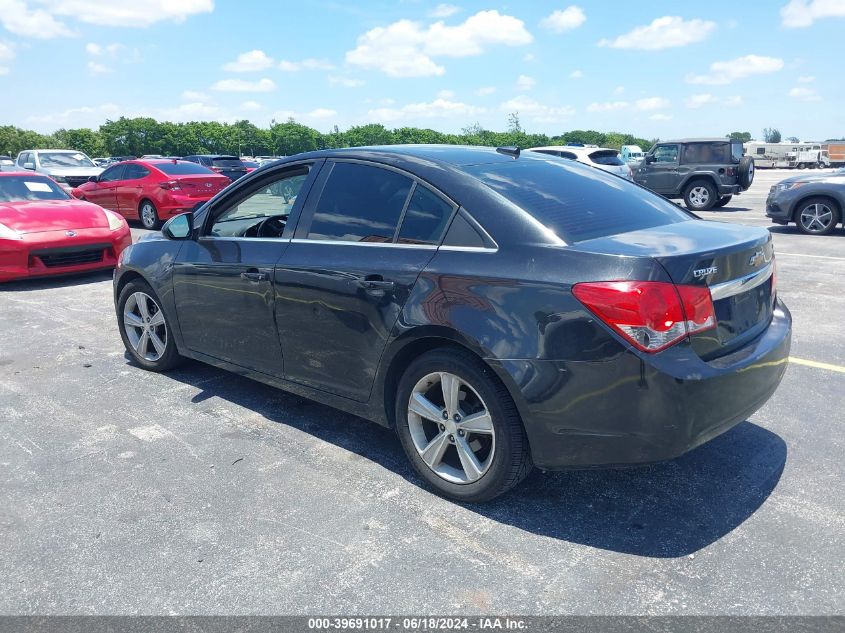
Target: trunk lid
[735, 262]
[202, 186]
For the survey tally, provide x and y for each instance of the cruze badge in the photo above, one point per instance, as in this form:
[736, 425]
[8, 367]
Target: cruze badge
[703, 272]
[758, 257]
[70, 233]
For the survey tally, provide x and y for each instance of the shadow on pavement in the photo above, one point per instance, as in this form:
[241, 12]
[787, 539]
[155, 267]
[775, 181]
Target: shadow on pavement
[62, 281]
[663, 510]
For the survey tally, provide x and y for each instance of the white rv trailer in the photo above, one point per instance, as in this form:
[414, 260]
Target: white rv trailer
[785, 155]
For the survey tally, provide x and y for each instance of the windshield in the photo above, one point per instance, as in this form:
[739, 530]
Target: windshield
[606, 157]
[27, 188]
[182, 168]
[576, 202]
[64, 159]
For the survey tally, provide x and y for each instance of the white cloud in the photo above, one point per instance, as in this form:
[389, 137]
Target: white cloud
[660, 117]
[706, 99]
[321, 113]
[528, 57]
[346, 82]
[524, 82]
[801, 13]
[16, 17]
[96, 68]
[564, 20]
[407, 49]
[84, 116]
[665, 32]
[619, 90]
[531, 109]
[444, 11]
[7, 54]
[194, 111]
[250, 62]
[250, 106]
[651, 103]
[804, 94]
[194, 95]
[138, 13]
[485, 90]
[727, 72]
[609, 106]
[446, 94]
[437, 109]
[241, 85]
[305, 64]
[576, 74]
[806, 79]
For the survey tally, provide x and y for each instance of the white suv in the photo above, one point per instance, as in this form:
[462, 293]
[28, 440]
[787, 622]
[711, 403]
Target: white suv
[67, 167]
[601, 157]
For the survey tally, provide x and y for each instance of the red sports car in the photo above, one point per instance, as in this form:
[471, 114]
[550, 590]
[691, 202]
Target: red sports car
[44, 231]
[152, 190]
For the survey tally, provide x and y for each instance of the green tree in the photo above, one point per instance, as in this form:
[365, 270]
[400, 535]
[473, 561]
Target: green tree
[771, 135]
[82, 139]
[371, 134]
[740, 136]
[292, 138]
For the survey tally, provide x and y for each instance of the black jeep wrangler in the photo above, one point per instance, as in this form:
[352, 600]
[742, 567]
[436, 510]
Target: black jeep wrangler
[705, 172]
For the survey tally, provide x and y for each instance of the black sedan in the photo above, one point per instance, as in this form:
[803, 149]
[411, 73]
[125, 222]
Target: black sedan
[499, 310]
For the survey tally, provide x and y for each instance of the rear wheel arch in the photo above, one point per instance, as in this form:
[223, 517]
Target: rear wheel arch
[696, 177]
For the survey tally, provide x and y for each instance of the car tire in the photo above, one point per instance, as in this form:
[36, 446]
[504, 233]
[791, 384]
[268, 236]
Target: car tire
[476, 456]
[700, 195]
[144, 328]
[148, 214]
[746, 171]
[817, 216]
[722, 201]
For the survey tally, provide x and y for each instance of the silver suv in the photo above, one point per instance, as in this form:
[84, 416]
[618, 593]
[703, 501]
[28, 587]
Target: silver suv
[67, 167]
[705, 172]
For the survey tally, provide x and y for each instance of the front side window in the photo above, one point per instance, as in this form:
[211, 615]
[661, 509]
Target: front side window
[360, 203]
[64, 159]
[425, 218]
[264, 213]
[666, 154]
[26, 188]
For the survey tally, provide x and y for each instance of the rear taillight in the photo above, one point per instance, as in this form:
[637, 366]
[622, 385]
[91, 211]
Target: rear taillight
[652, 315]
[170, 185]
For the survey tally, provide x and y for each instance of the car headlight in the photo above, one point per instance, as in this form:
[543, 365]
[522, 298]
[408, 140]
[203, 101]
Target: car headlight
[115, 221]
[8, 234]
[59, 179]
[783, 186]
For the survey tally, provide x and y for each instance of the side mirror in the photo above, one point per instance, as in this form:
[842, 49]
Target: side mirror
[649, 159]
[93, 179]
[29, 166]
[179, 227]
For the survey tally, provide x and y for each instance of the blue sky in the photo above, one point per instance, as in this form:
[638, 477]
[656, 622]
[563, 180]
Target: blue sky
[654, 68]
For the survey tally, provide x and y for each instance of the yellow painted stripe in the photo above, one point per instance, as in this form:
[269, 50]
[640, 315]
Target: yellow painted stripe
[811, 363]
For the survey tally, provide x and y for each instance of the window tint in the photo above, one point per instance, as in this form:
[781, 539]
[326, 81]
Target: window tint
[576, 202]
[707, 153]
[112, 174]
[134, 171]
[463, 233]
[182, 168]
[666, 154]
[274, 199]
[360, 203]
[425, 218]
[226, 162]
[606, 157]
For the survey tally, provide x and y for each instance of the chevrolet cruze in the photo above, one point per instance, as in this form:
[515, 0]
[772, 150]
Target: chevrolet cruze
[500, 310]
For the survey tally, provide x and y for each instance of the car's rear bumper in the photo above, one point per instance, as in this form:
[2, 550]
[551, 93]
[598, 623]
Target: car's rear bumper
[55, 253]
[730, 190]
[640, 408]
[176, 205]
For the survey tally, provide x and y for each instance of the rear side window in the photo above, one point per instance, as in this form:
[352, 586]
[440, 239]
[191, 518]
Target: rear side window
[360, 203]
[736, 152]
[425, 218]
[707, 153]
[607, 157]
[577, 202]
[182, 168]
[134, 171]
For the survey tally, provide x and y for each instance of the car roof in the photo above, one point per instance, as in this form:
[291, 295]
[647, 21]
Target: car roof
[53, 151]
[574, 149]
[703, 139]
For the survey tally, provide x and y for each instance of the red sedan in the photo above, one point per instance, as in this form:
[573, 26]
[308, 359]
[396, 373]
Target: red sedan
[152, 190]
[44, 231]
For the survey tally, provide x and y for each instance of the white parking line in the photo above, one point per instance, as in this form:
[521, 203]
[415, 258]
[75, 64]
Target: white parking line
[779, 253]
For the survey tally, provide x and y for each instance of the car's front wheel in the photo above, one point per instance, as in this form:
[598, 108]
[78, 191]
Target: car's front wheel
[144, 328]
[817, 216]
[460, 427]
[700, 195]
[149, 215]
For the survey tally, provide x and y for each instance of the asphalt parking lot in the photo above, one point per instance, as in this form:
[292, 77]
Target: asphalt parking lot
[201, 492]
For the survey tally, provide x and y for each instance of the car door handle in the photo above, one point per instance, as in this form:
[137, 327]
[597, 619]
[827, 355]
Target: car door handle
[254, 275]
[376, 282]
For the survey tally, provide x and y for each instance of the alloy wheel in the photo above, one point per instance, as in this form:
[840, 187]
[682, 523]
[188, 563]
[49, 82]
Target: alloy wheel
[451, 428]
[148, 215]
[145, 327]
[816, 218]
[699, 196]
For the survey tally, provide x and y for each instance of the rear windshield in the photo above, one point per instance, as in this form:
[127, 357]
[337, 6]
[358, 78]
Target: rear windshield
[182, 168]
[607, 157]
[575, 201]
[25, 188]
[227, 162]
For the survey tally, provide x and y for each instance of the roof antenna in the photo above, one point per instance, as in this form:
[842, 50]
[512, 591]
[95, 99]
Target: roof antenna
[509, 150]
